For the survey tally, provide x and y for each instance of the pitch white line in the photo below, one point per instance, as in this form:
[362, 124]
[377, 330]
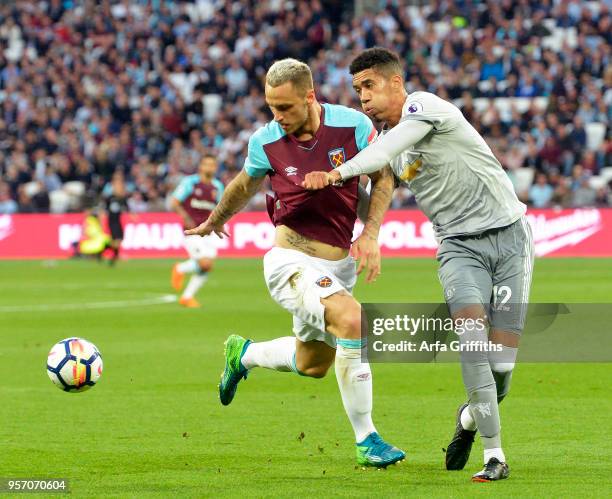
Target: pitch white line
[82, 285]
[60, 307]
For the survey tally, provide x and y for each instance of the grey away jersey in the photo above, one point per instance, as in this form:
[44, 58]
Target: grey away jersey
[457, 181]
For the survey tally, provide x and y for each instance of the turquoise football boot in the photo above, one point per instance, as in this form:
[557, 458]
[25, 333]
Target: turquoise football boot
[374, 451]
[234, 371]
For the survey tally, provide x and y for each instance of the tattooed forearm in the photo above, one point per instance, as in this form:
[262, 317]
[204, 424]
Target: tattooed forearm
[235, 197]
[380, 198]
[301, 243]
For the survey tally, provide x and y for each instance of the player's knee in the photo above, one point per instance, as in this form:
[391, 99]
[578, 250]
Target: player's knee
[349, 326]
[474, 312]
[314, 370]
[205, 265]
[350, 321]
[343, 316]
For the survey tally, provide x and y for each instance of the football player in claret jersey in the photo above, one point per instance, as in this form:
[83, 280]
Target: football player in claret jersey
[309, 271]
[194, 199]
[486, 246]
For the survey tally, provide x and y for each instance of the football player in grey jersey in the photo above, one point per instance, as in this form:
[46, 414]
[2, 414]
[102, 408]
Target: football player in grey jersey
[486, 246]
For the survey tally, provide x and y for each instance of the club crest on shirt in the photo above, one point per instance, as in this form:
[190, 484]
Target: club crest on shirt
[198, 192]
[336, 156]
[324, 282]
[411, 170]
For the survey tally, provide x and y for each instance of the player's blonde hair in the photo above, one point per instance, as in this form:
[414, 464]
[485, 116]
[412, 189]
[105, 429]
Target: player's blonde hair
[291, 70]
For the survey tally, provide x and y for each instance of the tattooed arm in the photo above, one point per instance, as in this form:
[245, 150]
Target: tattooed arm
[383, 185]
[236, 196]
[365, 248]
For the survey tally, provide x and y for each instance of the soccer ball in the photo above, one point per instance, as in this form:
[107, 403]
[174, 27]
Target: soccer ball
[74, 365]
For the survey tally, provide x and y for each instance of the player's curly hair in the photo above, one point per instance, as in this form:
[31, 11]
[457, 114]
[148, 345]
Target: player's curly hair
[291, 70]
[380, 59]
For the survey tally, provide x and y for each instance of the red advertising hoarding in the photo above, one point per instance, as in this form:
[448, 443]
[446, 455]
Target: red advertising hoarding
[583, 232]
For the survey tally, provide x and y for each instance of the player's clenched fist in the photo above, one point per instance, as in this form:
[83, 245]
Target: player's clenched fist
[206, 228]
[318, 180]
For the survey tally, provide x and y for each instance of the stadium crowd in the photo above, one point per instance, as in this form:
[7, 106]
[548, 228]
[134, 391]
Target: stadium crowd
[142, 89]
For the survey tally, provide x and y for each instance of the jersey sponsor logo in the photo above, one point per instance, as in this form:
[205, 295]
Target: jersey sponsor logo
[336, 156]
[291, 170]
[324, 282]
[415, 107]
[411, 170]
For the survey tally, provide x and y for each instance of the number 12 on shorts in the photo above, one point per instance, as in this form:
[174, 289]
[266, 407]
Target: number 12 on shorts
[501, 295]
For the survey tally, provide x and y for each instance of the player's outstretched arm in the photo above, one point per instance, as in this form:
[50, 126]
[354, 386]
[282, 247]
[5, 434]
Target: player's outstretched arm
[379, 154]
[235, 197]
[365, 248]
[374, 157]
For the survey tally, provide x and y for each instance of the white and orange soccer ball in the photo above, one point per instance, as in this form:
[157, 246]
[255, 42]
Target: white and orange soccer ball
[74, 365]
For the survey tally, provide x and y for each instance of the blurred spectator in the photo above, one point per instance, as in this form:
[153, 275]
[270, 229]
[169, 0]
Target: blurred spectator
[584, 195]
[237, 80]
[7, 204]
[562, 197]
[137, 203]
[541, 193]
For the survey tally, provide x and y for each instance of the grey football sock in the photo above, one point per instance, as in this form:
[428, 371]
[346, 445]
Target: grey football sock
[480, 386]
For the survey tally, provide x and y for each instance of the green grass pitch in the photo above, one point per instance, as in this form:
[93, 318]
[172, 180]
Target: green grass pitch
[154, 427]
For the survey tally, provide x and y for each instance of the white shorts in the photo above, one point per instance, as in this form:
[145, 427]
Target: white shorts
[201, 247]
[297, 282]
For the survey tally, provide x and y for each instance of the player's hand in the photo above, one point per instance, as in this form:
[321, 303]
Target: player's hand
[318, 180]
[366, 251]
[206, 228]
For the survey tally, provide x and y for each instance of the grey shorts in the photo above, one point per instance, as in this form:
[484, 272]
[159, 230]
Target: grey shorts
[493, 269]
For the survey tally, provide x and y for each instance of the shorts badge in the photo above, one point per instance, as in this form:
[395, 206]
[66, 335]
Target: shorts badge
[324, 282]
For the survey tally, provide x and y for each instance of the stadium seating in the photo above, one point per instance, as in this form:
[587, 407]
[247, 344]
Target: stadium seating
[60, 201]
[129, 104]
[595, 135]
